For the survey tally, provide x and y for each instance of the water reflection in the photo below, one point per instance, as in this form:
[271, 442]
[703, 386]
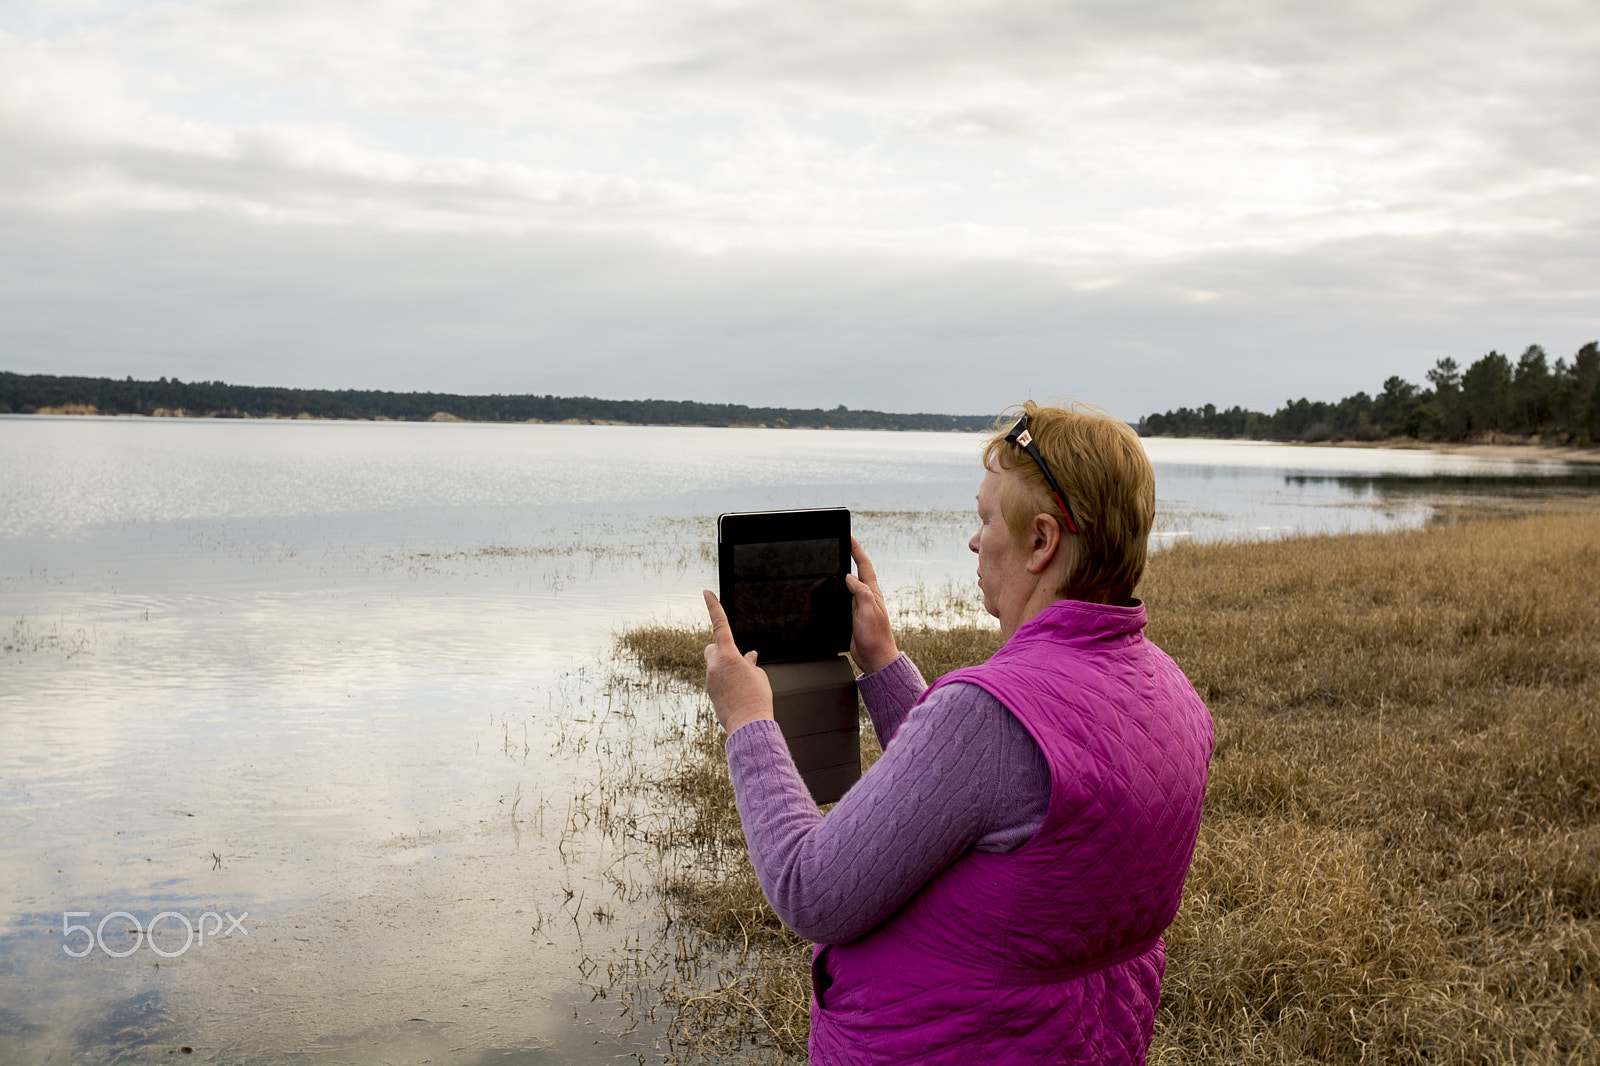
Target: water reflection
[1573, 481]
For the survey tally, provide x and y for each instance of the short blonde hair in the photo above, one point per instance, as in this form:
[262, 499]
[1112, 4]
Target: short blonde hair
[1101, 467]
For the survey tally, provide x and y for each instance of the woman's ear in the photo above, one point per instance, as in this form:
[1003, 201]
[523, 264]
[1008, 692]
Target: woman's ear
[1046, 543]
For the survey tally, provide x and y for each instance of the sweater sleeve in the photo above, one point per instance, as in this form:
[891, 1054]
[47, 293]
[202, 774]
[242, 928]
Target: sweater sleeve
[962, 774]
[889, 694]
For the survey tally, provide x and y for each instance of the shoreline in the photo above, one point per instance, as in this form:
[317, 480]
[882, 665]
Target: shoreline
[163, 414]
[1562, 453]
[1541, 452]
[1493, 450]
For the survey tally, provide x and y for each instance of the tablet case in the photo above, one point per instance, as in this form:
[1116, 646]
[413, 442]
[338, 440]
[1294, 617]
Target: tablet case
[818, 710]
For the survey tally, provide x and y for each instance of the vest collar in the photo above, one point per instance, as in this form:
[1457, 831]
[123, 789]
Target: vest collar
[1078, 622]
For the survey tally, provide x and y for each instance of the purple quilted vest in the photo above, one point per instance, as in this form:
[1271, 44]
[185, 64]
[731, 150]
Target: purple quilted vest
[1051, 952]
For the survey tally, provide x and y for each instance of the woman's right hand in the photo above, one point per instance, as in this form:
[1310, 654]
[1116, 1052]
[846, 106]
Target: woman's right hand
[871, 639]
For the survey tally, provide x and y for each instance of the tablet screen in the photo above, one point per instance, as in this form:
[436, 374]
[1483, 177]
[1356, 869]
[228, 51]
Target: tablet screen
[782, 576]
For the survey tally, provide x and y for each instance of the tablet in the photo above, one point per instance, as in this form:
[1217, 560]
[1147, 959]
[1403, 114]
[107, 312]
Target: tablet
[782, 581]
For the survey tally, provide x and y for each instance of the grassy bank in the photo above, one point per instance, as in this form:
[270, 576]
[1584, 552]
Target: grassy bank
[1400, 860]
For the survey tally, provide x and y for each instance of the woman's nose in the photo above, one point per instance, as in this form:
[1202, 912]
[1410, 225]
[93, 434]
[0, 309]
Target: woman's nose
[973, 544]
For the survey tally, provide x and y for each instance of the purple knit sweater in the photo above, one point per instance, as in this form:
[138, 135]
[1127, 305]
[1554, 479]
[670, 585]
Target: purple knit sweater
[961, 773]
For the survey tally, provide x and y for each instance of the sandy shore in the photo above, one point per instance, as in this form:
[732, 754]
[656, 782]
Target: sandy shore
[1543, 452]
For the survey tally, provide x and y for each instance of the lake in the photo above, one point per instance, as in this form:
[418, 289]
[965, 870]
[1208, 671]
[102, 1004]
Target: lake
[341, 697]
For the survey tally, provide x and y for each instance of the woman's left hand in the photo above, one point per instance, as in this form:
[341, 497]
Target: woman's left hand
[739, 689]
[871, 637]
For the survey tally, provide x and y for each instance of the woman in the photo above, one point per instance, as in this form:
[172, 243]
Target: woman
[993, 890]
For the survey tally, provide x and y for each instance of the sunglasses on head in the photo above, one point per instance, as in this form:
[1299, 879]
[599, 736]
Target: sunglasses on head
[1019, 435]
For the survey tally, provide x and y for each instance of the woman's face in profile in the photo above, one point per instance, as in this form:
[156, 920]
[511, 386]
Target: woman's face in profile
[1001, 561]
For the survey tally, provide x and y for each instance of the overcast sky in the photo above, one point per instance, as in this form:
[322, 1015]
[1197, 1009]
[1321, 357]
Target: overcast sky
[907, 206]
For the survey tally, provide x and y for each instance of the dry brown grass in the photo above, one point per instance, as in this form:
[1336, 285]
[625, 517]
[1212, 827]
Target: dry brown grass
[1400, 860]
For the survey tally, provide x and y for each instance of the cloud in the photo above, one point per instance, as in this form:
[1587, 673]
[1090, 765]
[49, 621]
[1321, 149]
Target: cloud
[756, 201]
[1139, 130]
[209, 296]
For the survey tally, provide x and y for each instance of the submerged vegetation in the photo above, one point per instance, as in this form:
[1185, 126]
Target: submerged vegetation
[1400, 859]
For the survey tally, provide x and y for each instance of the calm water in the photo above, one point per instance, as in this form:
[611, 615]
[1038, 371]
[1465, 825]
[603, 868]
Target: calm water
[346, 679]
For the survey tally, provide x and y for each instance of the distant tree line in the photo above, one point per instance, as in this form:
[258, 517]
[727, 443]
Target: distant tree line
[1494, 396]
[31, 393]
